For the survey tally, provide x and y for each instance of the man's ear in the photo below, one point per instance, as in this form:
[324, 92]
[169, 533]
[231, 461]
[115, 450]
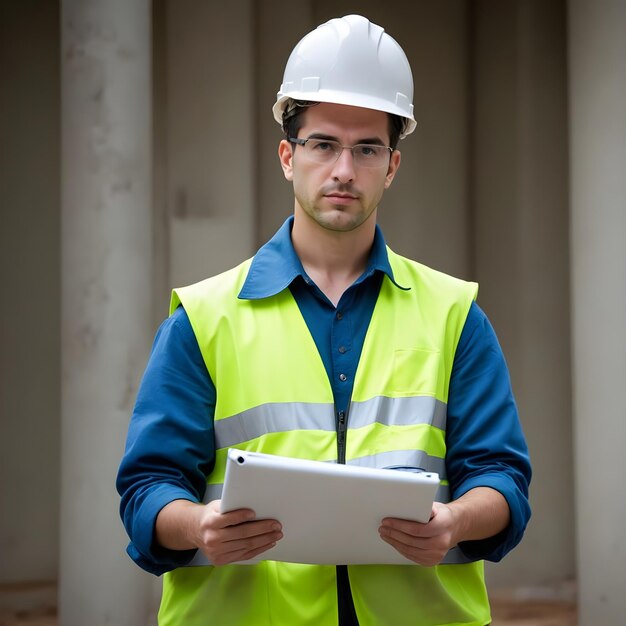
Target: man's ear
[285, 155]
[394, 164]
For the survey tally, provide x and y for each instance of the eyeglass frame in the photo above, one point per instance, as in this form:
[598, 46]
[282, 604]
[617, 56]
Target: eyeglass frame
[303, 142]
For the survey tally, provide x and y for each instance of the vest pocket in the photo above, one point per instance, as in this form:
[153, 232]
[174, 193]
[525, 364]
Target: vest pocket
[416, 371]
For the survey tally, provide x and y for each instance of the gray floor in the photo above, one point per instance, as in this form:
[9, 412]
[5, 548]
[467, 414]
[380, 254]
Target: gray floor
[33, 605]
[504, 614]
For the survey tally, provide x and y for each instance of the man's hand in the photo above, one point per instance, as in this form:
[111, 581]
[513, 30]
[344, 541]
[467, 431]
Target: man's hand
[480, 513]
[234, 536]
[222, 537]
[425, 544]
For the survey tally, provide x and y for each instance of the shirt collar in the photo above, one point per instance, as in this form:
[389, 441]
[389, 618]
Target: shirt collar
[276, 265]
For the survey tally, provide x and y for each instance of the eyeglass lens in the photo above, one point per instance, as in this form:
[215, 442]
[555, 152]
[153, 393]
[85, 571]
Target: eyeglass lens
[328, 151]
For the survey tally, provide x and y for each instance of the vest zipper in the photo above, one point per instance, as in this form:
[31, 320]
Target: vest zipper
[342, 420]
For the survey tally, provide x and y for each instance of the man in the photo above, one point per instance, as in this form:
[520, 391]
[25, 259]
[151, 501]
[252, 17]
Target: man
[328, 346]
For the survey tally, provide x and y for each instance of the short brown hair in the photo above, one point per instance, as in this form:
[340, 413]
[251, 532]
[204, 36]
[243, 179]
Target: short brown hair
[292, 121]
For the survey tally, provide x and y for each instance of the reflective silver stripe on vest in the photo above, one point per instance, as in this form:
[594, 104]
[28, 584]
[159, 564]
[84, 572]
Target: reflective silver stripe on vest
[456, 557]
[404, 459]
[287, 416]
[398, 412]
[443, 494]
[198, 560]
[212, 492]
[273, 418]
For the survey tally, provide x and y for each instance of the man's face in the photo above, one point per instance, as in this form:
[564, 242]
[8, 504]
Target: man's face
[339, 196]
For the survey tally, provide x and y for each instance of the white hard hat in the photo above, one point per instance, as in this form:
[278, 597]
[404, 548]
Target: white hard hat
[349, 60]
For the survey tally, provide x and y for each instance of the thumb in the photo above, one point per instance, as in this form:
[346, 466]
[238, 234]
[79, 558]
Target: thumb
[437, 506]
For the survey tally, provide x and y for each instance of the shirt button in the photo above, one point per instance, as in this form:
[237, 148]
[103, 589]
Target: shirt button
[339, 315]
[343, 377]
[342, 349]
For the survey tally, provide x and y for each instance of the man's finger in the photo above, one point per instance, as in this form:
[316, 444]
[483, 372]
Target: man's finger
[421, 556]
[416, 529]
[232, 518]
[412, 541]
[245, 549]
[251, 529]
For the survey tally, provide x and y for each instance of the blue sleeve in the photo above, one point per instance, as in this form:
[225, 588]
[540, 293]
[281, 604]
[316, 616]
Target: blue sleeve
[485, 443]
[170, 445]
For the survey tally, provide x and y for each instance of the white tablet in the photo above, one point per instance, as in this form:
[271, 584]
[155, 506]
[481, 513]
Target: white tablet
[330, 513]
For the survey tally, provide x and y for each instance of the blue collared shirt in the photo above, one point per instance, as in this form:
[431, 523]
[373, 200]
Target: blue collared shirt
[170, 446]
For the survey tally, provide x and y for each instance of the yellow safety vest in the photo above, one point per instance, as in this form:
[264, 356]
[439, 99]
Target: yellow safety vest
[274, 396]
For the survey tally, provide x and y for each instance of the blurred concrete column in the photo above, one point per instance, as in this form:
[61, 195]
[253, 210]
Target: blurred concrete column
[597, 56]
[520, 196]
[106, 291]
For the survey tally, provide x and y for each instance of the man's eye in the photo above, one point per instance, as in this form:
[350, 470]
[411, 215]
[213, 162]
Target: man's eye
[322, 146]
[368, 151]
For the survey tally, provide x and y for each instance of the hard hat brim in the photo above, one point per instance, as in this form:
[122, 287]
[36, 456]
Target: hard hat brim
[347, 99]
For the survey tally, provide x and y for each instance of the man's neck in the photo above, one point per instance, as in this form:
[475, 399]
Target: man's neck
[333, 259]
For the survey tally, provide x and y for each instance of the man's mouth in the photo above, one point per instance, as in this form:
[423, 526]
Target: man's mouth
[340, 198]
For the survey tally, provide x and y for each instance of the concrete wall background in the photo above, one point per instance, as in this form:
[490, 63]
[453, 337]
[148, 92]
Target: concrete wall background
[521, 226]
[209, 125]
[30, 249]
[106, 263]
[597, 46]
[482, 193]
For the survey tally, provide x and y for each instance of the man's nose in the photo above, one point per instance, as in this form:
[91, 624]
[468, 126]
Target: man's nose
[343, 170]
